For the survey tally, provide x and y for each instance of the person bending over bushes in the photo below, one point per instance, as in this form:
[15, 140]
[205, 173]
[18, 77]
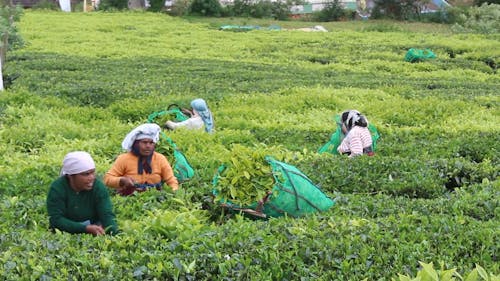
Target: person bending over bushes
[141, 167]
[77, 201]
[201, 116]
[358, 139]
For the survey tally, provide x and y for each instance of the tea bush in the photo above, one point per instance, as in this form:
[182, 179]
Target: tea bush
[429, 195]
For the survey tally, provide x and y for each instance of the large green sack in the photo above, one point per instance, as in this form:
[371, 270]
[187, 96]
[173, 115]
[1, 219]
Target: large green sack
[416, 55]
[183, 171]
[173, 113]
[337, 137]
[293, 194]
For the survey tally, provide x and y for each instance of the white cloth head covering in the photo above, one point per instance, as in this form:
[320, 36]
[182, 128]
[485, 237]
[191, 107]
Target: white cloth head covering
[144, 131]
[201, 107]
[77, 162]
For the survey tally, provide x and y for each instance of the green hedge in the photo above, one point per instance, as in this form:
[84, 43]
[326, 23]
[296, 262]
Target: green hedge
[429, 195]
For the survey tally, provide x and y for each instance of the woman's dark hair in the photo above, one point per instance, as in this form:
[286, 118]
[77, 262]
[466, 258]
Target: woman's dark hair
[353, 118]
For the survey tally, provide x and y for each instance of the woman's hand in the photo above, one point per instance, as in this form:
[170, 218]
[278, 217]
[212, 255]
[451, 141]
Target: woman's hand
[95, 229]
[126, 182]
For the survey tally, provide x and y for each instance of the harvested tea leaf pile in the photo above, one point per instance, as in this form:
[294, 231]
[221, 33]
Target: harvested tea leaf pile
[248, 177]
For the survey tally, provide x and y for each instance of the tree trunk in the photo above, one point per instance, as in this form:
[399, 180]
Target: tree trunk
[1, 76]
[3, 51]
[5, 41]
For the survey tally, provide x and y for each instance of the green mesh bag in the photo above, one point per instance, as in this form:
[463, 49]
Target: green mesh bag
[293, 194]
[173, 113]
[335, 139]
[183, 171]
[337, 136]
[416, 55]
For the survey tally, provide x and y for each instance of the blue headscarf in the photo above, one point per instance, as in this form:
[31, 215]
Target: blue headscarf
[201, 107]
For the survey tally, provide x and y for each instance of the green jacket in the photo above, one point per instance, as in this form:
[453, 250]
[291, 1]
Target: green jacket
[69, 209]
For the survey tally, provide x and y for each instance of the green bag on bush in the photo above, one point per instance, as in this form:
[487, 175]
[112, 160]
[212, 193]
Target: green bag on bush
[173, 113]
[337, 137]
[293, 194]
[416, 55]
[183, 171]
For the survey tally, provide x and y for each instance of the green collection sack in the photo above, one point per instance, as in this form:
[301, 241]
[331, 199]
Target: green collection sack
[183, 171]
[293, 194]
[337, 137]
[173, 112]
[416, 55]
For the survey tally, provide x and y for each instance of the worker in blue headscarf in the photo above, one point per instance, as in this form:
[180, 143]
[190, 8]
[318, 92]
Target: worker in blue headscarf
[202, 117]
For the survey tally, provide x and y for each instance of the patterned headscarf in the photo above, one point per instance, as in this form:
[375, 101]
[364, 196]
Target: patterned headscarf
[351, 118]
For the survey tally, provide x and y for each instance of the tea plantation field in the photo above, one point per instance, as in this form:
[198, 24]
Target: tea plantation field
[430, 194]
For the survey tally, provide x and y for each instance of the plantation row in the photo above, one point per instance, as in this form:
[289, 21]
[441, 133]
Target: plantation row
[429, 195]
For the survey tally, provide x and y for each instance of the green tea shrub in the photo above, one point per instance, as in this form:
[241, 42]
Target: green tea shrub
[458, 172]
[473, 146]
[393, 175]
[413, 177]
[428, 273]
[438, 122]
[205, 152]
[479, 201]
[178, 225]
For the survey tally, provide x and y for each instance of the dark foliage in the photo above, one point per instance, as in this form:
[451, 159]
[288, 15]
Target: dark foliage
[206, 8]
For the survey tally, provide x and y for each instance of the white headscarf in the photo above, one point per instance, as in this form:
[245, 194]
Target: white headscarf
[77, 162]
[144, 131]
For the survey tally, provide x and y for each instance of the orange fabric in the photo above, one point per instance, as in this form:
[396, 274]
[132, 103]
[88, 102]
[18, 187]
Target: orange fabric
[126, 165]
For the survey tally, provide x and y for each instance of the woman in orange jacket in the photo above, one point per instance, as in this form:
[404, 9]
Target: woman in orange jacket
[141, 167]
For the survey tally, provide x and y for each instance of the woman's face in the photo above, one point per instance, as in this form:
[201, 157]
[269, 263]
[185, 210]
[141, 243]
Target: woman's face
[344, 129]
[146, 147]
[83, 181]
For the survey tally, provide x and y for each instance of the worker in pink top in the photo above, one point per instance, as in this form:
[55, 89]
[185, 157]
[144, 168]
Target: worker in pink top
[141, 167]
[357, 140]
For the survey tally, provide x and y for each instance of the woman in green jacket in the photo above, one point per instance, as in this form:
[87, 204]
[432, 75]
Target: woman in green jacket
[77, 201]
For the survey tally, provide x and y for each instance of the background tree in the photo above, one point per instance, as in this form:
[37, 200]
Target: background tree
[9, 36]
[206, 8]
[333, 11]
[398, 9]
[480, 2]
[110, 5]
